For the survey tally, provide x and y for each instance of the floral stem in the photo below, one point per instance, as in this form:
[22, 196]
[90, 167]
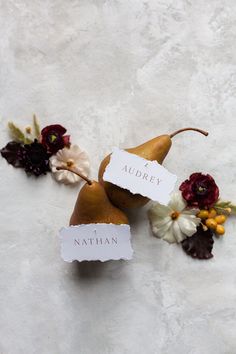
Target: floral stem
[226, 211]
[185, 129]
[75, 172]
[205, 228]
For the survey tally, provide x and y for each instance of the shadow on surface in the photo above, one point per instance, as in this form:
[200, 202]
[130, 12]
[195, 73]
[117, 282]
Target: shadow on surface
[88, 269]
[95, 269]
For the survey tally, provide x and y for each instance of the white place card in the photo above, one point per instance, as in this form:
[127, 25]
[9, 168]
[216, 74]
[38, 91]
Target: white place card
[92, 242]
[140, 176]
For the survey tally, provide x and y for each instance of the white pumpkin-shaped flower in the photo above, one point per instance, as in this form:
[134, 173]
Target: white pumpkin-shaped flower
[72, 157]
[175, 222]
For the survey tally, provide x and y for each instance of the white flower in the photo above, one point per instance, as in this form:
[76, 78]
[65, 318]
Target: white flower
[175, 222]
[72, 157]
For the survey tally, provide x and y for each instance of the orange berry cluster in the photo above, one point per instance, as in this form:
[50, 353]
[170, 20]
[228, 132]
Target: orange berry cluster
[212, 220]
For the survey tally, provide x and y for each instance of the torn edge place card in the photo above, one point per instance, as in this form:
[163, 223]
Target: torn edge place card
[140, 176]
[92, 242]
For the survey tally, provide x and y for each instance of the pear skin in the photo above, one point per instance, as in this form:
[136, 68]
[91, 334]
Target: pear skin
[154, 150]
[93, 206]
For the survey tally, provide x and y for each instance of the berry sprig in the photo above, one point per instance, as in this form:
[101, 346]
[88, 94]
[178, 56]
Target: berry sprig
[213, 220]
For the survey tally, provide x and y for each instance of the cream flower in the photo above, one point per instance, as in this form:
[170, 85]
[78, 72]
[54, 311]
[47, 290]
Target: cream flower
[72, 157]
[175, 222]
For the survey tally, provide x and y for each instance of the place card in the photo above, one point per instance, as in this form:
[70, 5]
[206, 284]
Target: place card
[92, 242]
[140, 176]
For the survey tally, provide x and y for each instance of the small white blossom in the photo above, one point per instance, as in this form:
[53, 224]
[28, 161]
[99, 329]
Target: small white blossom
[72, 157]
[175, 222]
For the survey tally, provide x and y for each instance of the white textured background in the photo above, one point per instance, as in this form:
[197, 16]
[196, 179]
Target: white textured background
[116, 72]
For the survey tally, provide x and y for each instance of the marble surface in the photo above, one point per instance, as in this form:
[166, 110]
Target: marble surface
[116, 73]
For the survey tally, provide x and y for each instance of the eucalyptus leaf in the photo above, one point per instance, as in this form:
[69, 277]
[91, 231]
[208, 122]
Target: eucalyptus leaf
[222, 205]
[36, 127]
[222, 211]
[233, 208]
[16, 133]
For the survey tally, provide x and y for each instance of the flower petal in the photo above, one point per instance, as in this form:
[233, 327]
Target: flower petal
[178, 234]
[159, 210]
[160, 227]
[72, 177]
[66, 140]
[11, 153]
[161, 221]
[192, 211]
[177, 203]
[200, 244]
[192, 218]
[169, 236]
[187, 226]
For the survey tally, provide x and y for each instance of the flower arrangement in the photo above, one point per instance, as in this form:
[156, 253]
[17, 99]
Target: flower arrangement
[48, 150]
[193, 216]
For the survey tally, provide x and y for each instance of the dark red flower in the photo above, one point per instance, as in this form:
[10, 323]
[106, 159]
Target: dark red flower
[200, 190]
[53, 138]
[12, 152]
[200, 244]
[34, 158]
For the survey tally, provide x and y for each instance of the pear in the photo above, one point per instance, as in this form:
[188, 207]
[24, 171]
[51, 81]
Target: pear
[154, 150]
[93, 206]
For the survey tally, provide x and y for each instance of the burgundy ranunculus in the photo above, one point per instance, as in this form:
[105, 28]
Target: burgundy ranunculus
[200, 190]
[53, 138]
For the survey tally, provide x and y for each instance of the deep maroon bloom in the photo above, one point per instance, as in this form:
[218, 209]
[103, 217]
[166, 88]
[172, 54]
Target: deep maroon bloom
[53, 138]
[200, 190]
[12, 152]
[34, 158]
[200, 244]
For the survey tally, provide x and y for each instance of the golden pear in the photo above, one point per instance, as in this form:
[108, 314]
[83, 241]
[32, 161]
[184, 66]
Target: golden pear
[93, 206]
[154, 150]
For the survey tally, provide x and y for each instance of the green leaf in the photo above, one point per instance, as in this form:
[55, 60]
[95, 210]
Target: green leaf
[16, 133]
[233, 208]
[222, 205]
[36, 127]
[28, 141]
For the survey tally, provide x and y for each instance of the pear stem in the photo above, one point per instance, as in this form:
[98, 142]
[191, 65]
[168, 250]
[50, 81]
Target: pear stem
[75, 172]
[185, 129]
